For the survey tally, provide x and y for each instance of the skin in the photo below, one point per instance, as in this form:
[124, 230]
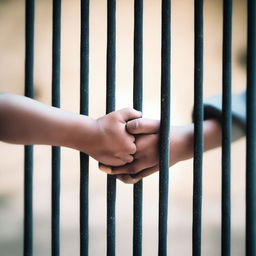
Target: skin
[26, 121]
[109, 139]
[146, 158]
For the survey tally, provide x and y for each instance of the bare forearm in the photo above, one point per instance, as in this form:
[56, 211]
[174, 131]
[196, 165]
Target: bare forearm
[211, 133]
[26, 121]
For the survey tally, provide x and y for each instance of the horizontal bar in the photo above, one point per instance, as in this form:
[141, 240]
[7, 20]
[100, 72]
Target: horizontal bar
[110, 102]
[198, 133]
[165, 127]
[56, 48]
[137, 104]
[28, 150]
[250, 132]
[84, 110]
[226, 127]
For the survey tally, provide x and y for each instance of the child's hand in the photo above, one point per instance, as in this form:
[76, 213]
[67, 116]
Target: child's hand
[112, 144]
[26, 121]
[146, 155]
[147, 144]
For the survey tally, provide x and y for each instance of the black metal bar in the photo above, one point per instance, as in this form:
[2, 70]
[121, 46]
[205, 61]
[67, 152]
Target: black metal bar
[251, 132]
[165, 127]
[137, 104]
[226, 126]
[110, 102]
[28, 150]
[198, 133]
[56, 45]
[84, 110]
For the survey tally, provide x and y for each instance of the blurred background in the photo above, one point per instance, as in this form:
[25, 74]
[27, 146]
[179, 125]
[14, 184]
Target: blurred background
[180, 200]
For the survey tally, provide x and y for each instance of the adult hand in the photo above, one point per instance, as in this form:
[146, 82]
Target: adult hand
[146, 158]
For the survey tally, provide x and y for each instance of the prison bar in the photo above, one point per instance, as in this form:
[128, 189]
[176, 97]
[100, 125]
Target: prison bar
[198, 132]
[165, 127]
[164, 144]
[110, 106]
[56, 43]
[250, 132]
[84, 110]
[226, 126]
[28, 149]
[137, 104]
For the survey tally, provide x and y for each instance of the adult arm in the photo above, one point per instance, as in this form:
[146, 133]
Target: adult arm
[182, 137]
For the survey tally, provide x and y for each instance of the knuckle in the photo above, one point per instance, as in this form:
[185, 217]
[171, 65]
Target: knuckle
[132, 149]
[129, 110]
[131, 159]
[125, 110]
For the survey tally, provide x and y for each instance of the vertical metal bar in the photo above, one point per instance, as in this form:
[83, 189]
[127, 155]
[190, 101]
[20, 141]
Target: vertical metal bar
[28, 158]
[56, 43]
[165, 127]
[110, 101]
[198, 133]
[137, 104]
[251, 132]
[226, 126]
[84, 110]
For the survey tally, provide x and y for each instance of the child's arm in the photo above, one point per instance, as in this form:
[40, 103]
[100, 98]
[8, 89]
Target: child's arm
[26, 121]
[147, 137]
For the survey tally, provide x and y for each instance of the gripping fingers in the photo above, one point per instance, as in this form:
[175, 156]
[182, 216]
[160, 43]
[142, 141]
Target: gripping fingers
[132, 179]
[132, 168]
[132, 149]
[145, 172]
[105, 168]
[128, 158]
[128, 179]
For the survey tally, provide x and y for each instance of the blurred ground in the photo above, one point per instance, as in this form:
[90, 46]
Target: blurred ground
[180, 202]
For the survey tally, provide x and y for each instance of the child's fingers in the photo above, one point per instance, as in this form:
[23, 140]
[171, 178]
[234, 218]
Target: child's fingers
[132, 148]
[143, 126]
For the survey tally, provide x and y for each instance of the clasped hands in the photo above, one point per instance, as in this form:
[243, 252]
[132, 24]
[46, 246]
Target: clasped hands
[132, 145]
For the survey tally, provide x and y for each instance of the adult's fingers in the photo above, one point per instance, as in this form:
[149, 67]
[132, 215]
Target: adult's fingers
[132, 179]
[105, 168]
[146, 172]
[128, 179]
[143, 126]
[132, 168]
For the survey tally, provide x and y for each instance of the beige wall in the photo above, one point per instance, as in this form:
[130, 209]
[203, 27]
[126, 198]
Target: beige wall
[180, 206]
